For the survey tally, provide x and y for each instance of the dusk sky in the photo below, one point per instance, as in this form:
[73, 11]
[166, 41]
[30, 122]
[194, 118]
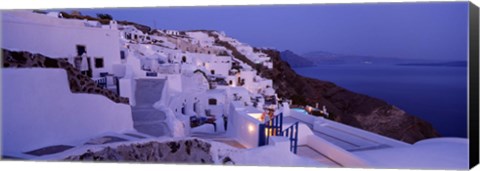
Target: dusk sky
[407, 30]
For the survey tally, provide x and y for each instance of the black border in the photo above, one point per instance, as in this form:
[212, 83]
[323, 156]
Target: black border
[473, 79]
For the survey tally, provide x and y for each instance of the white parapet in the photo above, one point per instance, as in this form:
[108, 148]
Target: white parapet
[39, 110]
[243, 127]
[127, 89]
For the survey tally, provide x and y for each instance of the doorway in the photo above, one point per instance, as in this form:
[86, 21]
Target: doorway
[81, 49]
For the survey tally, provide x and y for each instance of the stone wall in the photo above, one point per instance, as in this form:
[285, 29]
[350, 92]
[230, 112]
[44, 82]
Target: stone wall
[78, 82]
[183, 151]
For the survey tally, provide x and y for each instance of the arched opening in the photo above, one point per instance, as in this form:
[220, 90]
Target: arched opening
[184, 59]
[183, 109]
[195, 108]
[205, 76]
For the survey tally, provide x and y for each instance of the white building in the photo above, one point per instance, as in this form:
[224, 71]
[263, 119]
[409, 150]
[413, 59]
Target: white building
[62, 38]
[172, 32]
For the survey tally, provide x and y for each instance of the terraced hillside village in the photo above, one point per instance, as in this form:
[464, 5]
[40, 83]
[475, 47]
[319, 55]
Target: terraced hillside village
[87, 88]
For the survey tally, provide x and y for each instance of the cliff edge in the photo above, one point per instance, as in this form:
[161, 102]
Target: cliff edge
[345, 106]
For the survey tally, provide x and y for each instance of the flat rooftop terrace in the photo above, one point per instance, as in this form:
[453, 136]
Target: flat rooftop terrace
[344, 139]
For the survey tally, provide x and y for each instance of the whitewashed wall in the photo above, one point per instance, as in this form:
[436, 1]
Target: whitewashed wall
[39, 110]
[248, 76]
[221, 65]
[57, 38]
[243, 127]
[127, 89]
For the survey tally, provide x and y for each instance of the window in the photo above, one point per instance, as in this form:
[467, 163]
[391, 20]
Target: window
[122, 55]
[184, 59]
[212, 101]
[212, 72]
[98, 62]
[81, 49]
[230, 82]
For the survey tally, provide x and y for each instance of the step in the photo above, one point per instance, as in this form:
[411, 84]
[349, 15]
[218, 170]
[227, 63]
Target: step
[148, 115]
[160, 129]
[148, 91]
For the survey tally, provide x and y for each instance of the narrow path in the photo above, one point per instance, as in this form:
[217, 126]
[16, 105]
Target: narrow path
[147, 119]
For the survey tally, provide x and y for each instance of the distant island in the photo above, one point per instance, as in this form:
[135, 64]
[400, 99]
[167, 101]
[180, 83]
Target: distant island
[448, 64]
[317, 58]
[295, 60]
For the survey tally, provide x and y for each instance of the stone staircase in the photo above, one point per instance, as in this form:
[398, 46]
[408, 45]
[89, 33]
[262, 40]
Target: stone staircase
[147, 119]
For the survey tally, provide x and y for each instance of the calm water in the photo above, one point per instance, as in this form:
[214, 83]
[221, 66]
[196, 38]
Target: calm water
[436, 94]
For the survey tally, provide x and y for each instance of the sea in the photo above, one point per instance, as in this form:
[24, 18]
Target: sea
[437, 94]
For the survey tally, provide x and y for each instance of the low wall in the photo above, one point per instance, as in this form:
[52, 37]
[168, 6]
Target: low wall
[243, 127]
[306, 137]
[39, 110]
[127, 89]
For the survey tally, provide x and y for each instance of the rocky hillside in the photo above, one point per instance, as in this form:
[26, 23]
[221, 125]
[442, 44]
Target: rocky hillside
[183, 151]
[347, 107]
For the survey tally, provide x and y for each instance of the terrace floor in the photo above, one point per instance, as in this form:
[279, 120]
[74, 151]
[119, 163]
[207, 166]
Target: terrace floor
[346, 140]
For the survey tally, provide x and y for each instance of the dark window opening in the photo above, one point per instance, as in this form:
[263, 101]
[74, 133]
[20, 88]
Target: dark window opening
[122, 54]
[230, 82]
[212, 72]
[184, 59]
[98, 62]
[212, 101]
[81, 49]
